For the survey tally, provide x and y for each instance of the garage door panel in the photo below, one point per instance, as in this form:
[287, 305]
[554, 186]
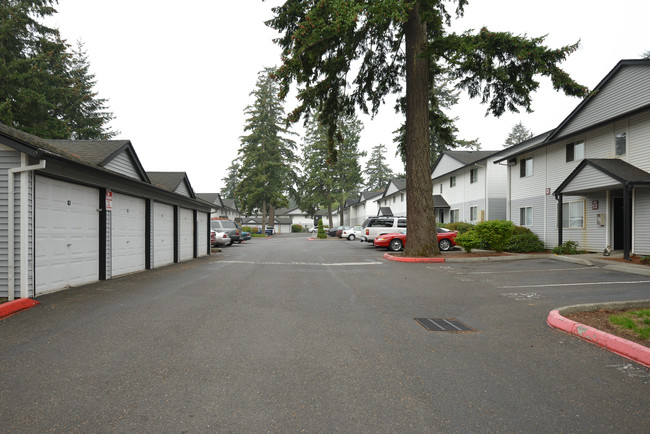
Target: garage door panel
[186, 234]
[66, 234]
[127, 234]
[163, 229]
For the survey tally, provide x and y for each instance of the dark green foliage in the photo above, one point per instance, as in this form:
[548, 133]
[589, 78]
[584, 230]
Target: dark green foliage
[231, 180]
[296, 228]
[248, 229]
[469, 241]
[45, 86]
[495, 233]
[568, 248]
[645, 260]
[321, 231]
[518, 134]
[525, 243]
[377, 172]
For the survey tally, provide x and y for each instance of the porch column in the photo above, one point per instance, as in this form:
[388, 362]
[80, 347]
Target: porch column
[559, 218]
[627, 221]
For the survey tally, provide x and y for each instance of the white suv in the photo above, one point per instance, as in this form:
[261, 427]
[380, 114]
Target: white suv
[375, 226]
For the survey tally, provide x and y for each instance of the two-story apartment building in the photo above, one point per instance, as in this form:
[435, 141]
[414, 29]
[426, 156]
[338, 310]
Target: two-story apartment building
[394, 198]
[473, 188]
[359, 209]
[587, 180]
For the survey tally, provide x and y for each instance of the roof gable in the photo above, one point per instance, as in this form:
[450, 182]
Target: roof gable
[451, 161]
[595, 174]
[394, 186]
[176, 182]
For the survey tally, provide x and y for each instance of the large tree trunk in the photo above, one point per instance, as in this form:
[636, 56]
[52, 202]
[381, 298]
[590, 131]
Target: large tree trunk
[264, 216]
[421, 226]
[271, 215]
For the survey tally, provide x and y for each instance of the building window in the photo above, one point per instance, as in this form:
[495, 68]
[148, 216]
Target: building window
[621, 144]
[473, 213]
[473, 176]
[526, 216]
[401, 197]
[440, 218]
[575, 151]
[441, 188]
[454, 215]
[526, 167]
[452, 181]
[394, 199]
[573, 214]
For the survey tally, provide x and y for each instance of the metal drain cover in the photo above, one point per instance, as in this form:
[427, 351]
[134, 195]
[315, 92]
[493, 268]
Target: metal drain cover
[443, 325]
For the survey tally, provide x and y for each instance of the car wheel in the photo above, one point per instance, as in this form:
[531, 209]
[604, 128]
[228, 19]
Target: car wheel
[444, 244]
[395, 245]
[351, 237]
[239, 242]
[231, 243]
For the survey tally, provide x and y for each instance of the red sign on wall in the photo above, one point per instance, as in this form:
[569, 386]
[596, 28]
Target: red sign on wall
[109, 200]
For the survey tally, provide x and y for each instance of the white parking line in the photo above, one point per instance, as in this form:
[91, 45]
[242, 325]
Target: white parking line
[577, 284]
[337, 264]
[528, 271]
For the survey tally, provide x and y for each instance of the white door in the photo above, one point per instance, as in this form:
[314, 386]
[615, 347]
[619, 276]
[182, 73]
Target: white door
[127, 234]
[163, 234]
[202, 237]
[186, 223]
[66, 235]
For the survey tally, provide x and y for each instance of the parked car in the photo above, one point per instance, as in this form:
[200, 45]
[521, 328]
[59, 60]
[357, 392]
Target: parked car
[269, 231]
[219, 238]
[396, 241]
[351, 233]
[375, 226]
[331, 232]
[340, 229]
[228, 226]
[245, 236]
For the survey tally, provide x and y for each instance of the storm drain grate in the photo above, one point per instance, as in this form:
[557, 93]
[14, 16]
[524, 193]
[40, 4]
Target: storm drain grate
[443, 325]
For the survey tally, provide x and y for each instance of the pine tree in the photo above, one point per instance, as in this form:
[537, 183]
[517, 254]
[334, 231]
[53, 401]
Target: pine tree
[345, 54]
[45, 89]
[518, 134]
[377, 172]
[267, 155]
[231, 180]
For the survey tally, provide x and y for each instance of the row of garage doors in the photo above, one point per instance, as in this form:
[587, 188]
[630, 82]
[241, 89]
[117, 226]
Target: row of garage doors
[68, 232]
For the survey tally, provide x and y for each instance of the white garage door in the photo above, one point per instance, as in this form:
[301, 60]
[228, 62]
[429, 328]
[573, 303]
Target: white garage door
[186, 223]
[127, 234]
[202, 237]
[66, 234]
[163, 233]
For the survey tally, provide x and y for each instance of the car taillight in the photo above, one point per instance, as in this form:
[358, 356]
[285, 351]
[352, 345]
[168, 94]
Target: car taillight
[367, 231]
[225, 236]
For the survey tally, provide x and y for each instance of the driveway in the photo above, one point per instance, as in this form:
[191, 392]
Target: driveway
[289, 335]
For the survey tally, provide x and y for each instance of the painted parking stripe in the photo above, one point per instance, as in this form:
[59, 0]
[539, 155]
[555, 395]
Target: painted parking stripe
[338, 264]
[577, 284]
[527, 271]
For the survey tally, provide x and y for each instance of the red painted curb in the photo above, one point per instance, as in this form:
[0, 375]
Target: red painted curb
[413, 260]
[11, 307]
[623, 347]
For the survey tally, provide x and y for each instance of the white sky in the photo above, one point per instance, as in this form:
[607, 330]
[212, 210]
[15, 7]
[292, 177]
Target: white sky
[178, 74]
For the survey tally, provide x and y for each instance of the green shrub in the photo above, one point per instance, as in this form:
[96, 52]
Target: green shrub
[296, 228]
[645, 260]
[248, 229]
[321, 232]
[461, 227]
[568, 248]
[525, 242]
[519, 230]
[469, 241]
[495, 234]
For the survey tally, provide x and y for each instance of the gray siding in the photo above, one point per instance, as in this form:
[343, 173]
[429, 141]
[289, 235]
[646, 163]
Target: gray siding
[496, 208]
[8, 159]
[642, 221]
[629, 90]
[124, 165]
[182, 189]
[591, 178]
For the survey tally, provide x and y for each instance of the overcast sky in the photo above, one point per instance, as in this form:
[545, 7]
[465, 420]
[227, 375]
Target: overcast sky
[178, 74]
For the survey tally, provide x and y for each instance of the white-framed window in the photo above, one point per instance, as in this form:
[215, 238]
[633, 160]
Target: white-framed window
[621, 144]
[526, 216]
[473, 176]
[473, 213]
[452, 181]
[441, 188]
[575, 151]
[401, 197]
[454, 216]
[526, 167]
[573, 214]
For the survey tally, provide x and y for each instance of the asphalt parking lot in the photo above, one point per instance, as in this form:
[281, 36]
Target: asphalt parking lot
[287, 334]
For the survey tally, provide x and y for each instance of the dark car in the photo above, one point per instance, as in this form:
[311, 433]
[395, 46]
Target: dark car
[336, 231]
[227, 226]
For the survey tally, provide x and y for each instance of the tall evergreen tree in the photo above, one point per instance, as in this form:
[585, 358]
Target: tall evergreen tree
[267, 154]
[231, 180]
[45, 89]
[377, 172]
[518, 134]
[345, 54]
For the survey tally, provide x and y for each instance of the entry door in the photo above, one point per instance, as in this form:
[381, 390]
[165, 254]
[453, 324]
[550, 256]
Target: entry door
[127, 234]
[66, 235]
[618, 224]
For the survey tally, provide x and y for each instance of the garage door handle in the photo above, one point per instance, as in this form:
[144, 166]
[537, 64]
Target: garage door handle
[69, 244]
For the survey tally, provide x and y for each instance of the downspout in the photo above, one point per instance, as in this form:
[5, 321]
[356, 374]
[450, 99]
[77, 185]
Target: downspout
[11, 224]
[558, 197]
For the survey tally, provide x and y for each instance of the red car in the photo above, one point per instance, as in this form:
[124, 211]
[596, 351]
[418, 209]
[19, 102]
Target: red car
[396, 241]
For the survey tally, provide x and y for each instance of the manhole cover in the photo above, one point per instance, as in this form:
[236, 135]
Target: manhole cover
[443, 325]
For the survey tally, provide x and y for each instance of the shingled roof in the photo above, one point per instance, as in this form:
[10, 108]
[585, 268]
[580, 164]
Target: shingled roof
[170, 181]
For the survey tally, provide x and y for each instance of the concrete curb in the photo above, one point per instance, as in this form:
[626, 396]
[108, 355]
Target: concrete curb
[623, 347]
[572, 260]
[628, 269]
[413, 260]
[451, 258]
[11, 307]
